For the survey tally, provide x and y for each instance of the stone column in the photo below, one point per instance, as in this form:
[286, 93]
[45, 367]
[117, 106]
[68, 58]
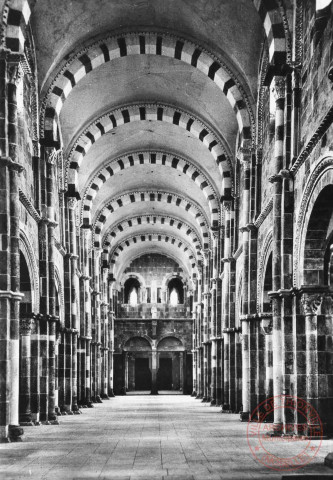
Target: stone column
[244, 414]
[72, 205]
[154, 390]
[194, 351]
[35, 371]
[96, 326]
[267, 328]
[279, 91]
[25, 371]
[111, 352]
[85, 328]
[312, 297]
[51, 158]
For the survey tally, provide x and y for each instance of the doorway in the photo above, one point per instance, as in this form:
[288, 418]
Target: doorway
[164, 376]
[142, 374]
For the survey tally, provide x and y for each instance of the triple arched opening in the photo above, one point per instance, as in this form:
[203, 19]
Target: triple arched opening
[153, 366]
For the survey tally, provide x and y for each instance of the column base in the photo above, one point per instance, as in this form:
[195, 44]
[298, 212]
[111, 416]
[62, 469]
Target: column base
[54, 422]
[244, 416]
[46, 422]
[213, 402]
[90, 404]
[205, 399]
[329, 460]
[198, 397]
[104, 396]
[98, 399]
[76, 410]
[14, 433]
[154, 392]
[26, 420]
[194, 393]
[111, 394]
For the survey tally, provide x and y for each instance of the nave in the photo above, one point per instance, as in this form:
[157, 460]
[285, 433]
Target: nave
[146, 437]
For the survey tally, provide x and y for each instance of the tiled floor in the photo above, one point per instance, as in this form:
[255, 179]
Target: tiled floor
[169, 437]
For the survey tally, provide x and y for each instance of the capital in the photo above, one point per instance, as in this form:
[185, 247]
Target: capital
[26, 325]
[244, 156]
[14, 72]
[72, 202]
[311, 303]
[279, 88]
[227, 204]
[52, 155]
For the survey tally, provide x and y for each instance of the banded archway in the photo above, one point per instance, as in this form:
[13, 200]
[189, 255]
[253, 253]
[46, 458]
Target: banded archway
[143, 196]
[153, 220]
[150, 112]
[183, 247]
[153, 158]
[109, 48]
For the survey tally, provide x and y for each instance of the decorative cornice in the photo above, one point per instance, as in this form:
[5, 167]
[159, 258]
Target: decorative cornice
[29, 206]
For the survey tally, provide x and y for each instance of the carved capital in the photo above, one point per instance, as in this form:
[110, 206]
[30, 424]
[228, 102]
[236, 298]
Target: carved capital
[244, 156]
[14, 73]
[279, 88]
[227, 204]
[26, 325]
[51, 155]
[311, 303]
[72, 202]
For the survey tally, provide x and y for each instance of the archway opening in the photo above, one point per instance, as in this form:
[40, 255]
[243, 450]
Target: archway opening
[25, 287]
[131, 291]
[318, 268]
[176, 292]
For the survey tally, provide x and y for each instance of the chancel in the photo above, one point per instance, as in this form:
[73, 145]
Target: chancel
[166, 213]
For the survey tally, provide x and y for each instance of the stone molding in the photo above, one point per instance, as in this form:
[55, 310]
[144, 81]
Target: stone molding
[325, 123]
[264, 214]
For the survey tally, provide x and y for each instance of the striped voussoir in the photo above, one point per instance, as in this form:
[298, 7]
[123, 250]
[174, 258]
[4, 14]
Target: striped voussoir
[152, 112]
[152, 158]
[155, 220]
[144, 196]
[143, 43]
[17, 19]
[273, 25]
[118, 249]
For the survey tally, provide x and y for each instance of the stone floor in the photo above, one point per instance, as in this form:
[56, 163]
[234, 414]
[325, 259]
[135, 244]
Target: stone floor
[169, 437]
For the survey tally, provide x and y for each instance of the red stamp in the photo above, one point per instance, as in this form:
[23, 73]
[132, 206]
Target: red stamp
[288, 445]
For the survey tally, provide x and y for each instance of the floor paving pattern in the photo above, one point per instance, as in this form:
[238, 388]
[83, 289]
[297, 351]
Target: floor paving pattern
[164, 437]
